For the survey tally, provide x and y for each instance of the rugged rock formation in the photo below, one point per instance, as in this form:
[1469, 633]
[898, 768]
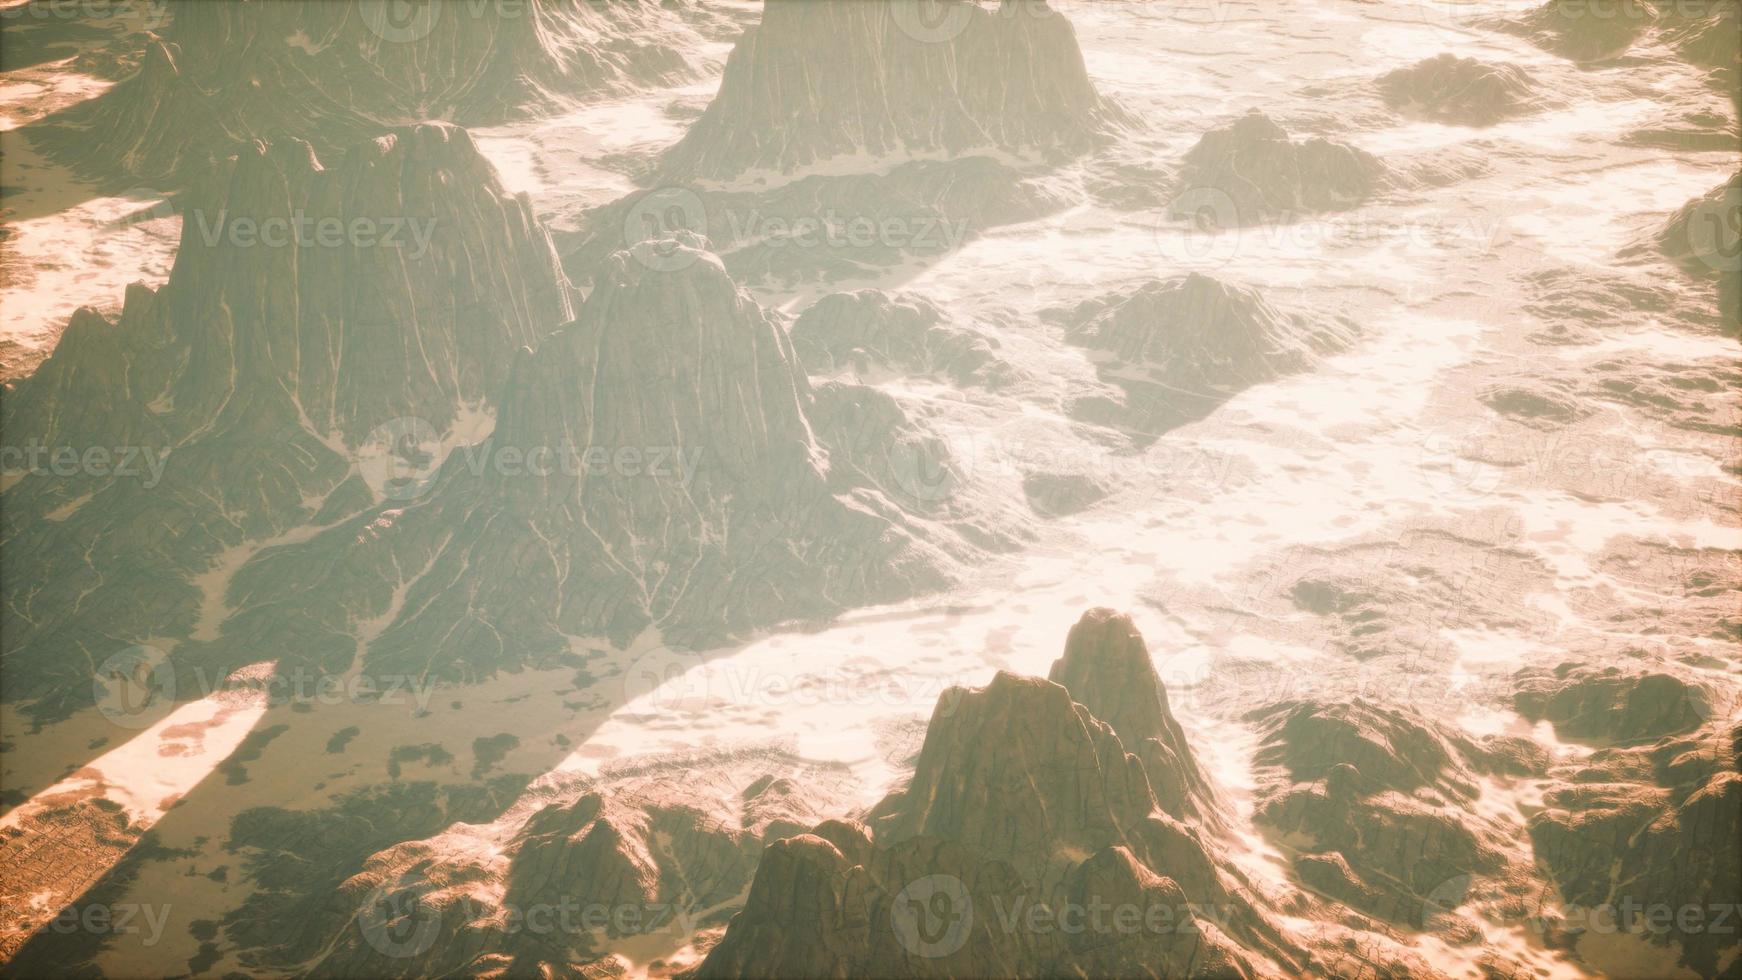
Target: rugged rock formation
[1181, 347]
[1464, 91]
[1250, 171]
[1648, 841]
[681, 486]
[1106, 668]
[872, 331]
[1373, 804]
[1027, 843]
[224, 74]
[1704, 238]
[1542, 406]
[1611, 705]
[828, 79]
[308, 310]
[573, 869]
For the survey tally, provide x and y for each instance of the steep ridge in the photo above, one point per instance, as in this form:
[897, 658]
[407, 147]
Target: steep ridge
[654, 464]
[825, 79]
[223, 74]
[1028, 842]
[850, 136]
[1180, 347]
[1703, 239]
[309, 312]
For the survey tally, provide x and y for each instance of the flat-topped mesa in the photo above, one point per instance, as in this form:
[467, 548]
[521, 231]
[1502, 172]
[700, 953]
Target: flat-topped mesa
[1107, 669]
[823, 79]
[334, 73]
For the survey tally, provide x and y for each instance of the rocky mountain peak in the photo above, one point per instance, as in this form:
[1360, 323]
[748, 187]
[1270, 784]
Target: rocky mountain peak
[822, 79]
[1107, 669]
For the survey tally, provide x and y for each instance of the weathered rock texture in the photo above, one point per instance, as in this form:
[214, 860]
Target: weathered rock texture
[224, 74]
[1464, 91]
[825, 79]
[1181, 347]
[1250, 172]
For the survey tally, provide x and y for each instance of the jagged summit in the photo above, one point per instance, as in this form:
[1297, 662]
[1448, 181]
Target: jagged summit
[655, 464]
[1106, 668]
[825, 79]
[334, 73]
[1020, 797]
[309, 307]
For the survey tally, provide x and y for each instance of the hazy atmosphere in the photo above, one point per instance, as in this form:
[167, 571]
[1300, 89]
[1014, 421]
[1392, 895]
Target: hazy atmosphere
[871, 488]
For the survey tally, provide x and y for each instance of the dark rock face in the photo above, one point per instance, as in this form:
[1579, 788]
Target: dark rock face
[1632, 832]
[871, 330]
[823, 79]
[1704, 238]
[1373, 802]
[1106, 668]
[333, 74]
[1181, 347]
[1251, 171]
[1021, 802]
[1464, 91]
[681, 486]
[1062, 494]
[1611, 705]
[246, 388]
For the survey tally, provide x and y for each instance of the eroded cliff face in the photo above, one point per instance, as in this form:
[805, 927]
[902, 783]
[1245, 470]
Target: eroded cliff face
[311, 313]
[224, 74]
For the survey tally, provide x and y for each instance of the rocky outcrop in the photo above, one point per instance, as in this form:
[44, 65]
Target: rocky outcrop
[310, 311]
[1250, 172]
[681, 486]
[1540, 406]
[1648, 841]
[224, 74]
[1372, 804]
[1107, 669]
[1181, 347]
[882, 79]
[1611, 705]
[1462, 91]
[1704, 239]
[1028, 842]
[871, 331]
